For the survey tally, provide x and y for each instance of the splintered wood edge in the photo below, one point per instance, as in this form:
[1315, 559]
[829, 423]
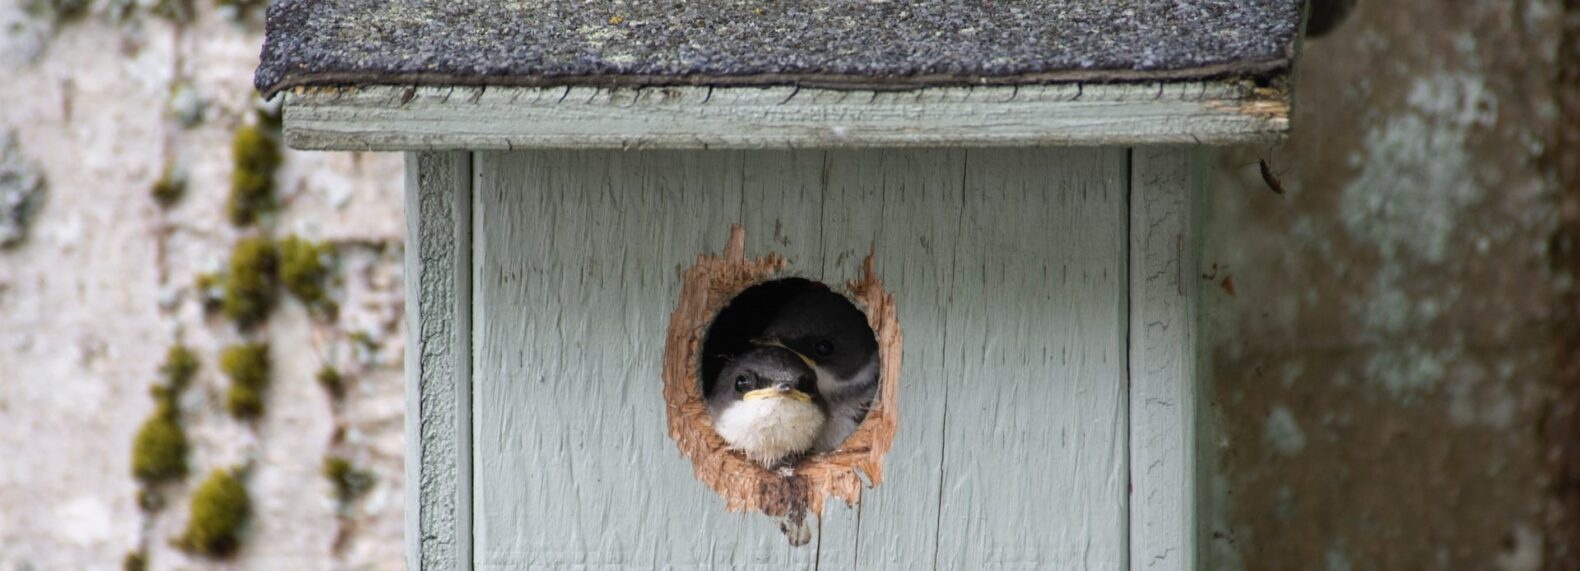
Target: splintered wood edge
[706, 288]
[405, 117]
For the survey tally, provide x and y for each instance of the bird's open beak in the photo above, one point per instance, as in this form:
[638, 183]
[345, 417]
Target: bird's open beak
[772, 342]
[778, 392]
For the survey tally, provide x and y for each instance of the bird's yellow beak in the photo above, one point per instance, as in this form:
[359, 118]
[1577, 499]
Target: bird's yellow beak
[771, 342]
[772, 393]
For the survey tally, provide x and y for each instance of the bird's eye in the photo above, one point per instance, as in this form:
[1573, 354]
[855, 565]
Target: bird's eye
[742, 384]
[824, 348]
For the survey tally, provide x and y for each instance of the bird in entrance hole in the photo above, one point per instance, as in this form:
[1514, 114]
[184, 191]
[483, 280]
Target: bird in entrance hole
[832, 337]
[764, 404]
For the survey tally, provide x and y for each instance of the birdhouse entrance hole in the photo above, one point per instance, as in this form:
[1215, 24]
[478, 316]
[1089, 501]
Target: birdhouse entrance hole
[724, 301]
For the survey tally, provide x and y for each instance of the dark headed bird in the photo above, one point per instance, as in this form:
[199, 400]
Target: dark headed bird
[763, 405]
[832, 337]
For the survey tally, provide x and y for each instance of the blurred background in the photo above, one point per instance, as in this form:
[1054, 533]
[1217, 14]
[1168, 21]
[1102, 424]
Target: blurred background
[1393, 343]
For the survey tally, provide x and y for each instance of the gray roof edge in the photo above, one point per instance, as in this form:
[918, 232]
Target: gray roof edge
[1264, 71]
[350, 43]
[273, 61]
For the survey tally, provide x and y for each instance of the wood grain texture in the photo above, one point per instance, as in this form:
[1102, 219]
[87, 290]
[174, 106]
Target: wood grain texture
[782, 208]
[906, 206]
[1034, 458]
[438, 361]
[1009, 273]
[1163, 391]
[503, 118]
[578, 266]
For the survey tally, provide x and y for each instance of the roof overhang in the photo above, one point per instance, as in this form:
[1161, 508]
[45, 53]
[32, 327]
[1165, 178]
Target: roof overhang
[485, 74]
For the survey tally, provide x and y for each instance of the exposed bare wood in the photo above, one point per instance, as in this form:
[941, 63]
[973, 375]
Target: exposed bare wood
[686, 117]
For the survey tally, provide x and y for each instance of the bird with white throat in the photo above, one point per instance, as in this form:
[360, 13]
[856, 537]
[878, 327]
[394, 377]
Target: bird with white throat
[762, 403]
[832, 337]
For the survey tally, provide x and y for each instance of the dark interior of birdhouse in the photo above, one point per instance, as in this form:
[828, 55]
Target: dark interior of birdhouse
[740, 321]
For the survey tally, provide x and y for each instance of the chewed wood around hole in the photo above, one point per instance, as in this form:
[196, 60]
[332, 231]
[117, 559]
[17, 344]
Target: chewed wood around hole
[707, 289]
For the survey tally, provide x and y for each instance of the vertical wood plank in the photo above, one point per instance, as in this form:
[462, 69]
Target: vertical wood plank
[905, 205]
[1162, 359]
[438, 360]
[1035, 469]
[782, 207]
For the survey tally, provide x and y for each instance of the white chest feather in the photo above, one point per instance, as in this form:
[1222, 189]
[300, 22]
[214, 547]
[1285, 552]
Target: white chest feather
[768, 430]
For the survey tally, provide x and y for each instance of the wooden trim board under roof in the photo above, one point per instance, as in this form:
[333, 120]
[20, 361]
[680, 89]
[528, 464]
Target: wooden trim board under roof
[391, 118]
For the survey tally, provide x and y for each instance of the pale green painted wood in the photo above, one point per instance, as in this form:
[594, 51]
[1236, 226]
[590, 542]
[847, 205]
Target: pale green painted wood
[502, 118]
[1009, 270]
[579, 255]
[906, 206]
[1035, 471]
[438, 360]
[1164, 392]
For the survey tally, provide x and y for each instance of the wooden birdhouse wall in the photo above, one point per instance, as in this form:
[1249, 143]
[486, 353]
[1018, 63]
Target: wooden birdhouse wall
[1046, 395]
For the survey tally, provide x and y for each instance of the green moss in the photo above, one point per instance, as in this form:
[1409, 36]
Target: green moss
[250, 282]
[210, 291]
[57, 9]
[349, 481]
[329, 378]
[220, 508]
[159, 451]
[180, 365]
[247, 364]
[303, 269]
[134, 561]
[164, 401]
[159, 448]
[364, 340]
[255, 155]
[271, 119]
[244, 402]
[206, 280]
[248, 368]
[169, 189]
[251, 195]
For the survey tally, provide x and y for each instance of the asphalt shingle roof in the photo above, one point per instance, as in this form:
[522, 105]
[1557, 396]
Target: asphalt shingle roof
[826, 43]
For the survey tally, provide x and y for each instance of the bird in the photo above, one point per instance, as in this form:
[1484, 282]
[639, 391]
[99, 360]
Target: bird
[763, 404]
[833, 338]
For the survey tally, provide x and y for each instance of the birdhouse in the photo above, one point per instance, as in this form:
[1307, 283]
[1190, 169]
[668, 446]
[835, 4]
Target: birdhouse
[599, 195]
